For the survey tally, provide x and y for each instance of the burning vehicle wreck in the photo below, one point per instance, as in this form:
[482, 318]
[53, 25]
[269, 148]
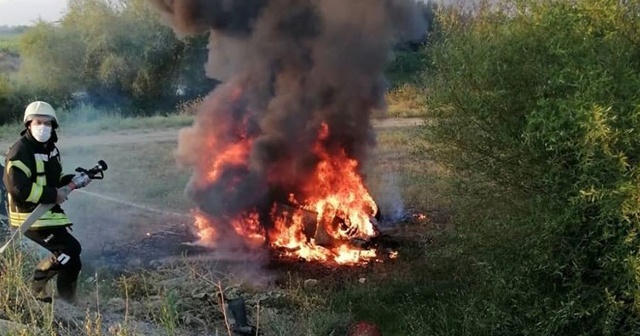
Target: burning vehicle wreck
[328, 215]
[293, 231]
[277, 151]
[309, 203]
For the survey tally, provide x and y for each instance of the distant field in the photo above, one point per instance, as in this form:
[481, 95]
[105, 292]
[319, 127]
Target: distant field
[9, 62]
[9, 43]
[9, 58]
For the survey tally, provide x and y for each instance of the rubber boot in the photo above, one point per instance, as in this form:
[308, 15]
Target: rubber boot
[41, 277]
[67, 291]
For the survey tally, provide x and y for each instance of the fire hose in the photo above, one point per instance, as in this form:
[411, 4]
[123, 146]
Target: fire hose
[95, 173]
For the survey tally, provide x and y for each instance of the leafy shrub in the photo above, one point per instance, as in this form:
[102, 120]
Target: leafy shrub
[12, 102]
[536, 106]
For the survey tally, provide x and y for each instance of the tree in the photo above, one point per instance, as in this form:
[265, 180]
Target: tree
[118, 52]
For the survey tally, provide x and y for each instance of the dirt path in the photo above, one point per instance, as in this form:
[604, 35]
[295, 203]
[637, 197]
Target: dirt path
[137, 136]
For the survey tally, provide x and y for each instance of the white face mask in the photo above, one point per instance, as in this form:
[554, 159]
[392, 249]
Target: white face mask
[42, 133]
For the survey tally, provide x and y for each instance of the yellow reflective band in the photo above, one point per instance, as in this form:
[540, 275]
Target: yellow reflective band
[41, 179]
[39, 166]
[49, 219]
[35, 194]
[18, 164]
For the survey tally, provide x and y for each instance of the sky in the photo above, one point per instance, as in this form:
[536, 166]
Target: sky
[25, 12]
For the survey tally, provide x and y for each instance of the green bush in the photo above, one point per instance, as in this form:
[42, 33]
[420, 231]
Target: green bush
[537, 108]
[12, 101]
[5, 93]
[405, 96]
[406, 67]
[9, 38]
[115, 54]
[8, 44]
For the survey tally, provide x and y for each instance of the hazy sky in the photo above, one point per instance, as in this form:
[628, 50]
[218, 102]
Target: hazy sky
[24, 12]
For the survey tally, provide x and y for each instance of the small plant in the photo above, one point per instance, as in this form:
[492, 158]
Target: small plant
[170, 312]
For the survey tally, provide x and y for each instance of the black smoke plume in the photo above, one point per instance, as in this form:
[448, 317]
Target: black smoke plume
[287, 67]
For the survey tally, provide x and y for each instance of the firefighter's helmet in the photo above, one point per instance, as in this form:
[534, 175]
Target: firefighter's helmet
[40, 108]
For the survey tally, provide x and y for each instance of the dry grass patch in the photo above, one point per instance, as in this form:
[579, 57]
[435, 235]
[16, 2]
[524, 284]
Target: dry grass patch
[145, 174]
[399, 173]
[406, 101]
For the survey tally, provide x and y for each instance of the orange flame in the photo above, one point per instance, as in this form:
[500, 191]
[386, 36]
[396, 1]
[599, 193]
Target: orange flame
[235, 154]
[338, 190]
[335, 192]
[249, 227]
[205, 230]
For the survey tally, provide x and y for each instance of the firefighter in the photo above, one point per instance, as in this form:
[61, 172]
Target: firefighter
[33, 175]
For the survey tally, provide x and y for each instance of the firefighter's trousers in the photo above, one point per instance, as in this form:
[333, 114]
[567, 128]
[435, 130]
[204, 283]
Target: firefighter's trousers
[65, 261]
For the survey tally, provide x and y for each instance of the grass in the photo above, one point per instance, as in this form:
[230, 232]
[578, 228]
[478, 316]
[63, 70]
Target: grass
[15, 299]
[406, 101]
[397, 173]
[9, 43]
[112, 123]
[141, 173]
[87, 120]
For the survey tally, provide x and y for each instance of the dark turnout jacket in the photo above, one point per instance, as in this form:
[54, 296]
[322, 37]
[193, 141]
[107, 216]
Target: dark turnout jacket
[33, 172]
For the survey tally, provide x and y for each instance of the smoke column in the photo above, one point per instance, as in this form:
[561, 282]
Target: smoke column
[288, 67]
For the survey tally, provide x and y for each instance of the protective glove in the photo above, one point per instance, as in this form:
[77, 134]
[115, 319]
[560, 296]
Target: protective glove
[63, 194]
[81, 180]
